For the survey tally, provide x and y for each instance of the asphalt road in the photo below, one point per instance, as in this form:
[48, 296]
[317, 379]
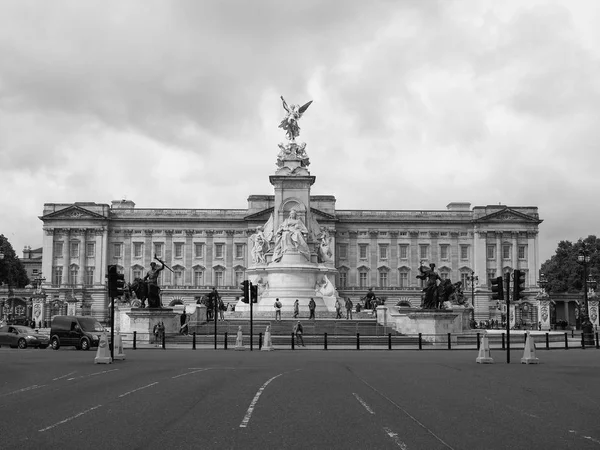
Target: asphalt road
[204, 399]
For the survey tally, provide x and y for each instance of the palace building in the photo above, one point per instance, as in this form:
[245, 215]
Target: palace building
[381, 249]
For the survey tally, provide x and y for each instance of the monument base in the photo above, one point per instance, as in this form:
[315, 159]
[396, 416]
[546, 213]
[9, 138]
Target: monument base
[433, 324]
[142, 321]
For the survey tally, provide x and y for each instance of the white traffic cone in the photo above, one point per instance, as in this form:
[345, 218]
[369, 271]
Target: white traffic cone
[529, 352]
[485, 355]
[267, 343]
[239, 342]
[103, 353]
[118, 353]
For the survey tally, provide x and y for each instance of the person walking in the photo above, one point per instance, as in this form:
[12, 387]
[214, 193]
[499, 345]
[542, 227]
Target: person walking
[312, 306]
[296, 309]
[277, 307]
[348, 308]
[338, 309]
[183, 323]
[298, 330]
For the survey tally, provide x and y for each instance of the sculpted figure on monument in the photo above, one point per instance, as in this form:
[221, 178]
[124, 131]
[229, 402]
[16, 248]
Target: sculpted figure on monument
[260, 246]
[430, 292]
[291, 237]
[324, 254]
[290, 121]
[147, 289]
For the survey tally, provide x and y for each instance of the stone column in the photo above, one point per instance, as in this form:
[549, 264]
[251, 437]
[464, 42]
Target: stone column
[543, 304]
[594, 312]
[188, 257]
[455, 256]
[499, 268]
[515, 250]
[166, 275]
[352, 259]
[414, 258]
[229, 249]
[512, 314]
[373, 255]
[208, 279]
[393, 258]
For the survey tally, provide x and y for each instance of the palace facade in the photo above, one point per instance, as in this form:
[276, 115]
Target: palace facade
[381, 249]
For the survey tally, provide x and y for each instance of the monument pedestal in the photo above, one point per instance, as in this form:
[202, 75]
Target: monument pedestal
[142, 320]
[433, 324]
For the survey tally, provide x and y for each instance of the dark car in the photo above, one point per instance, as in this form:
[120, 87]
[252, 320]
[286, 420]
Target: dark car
[81, 332]
[22, 337]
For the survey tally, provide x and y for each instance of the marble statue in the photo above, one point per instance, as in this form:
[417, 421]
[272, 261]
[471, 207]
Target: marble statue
[260, 246]
[324, 251]
[290, 121]
[291, 237]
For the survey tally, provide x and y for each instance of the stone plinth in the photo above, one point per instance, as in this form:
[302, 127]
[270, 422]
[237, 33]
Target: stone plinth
[433, 324]
[294, 277]
[142, 320]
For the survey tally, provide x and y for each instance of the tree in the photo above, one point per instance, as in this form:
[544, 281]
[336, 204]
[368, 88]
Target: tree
[564, 273]
[12, 271]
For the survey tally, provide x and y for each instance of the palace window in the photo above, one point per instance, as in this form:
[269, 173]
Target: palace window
[158, 249]
[522, 251]
[362, 279]
[178, 277]
[239, 277]
[464, 252]
[198, 250]
[74, 249]
[383, 279]
[343, 279]
[90, 249]
[137, 273]
[239, 251]
[404, 233]
[403, 279]
[506, 252]
[383, 233]
[219, 251]
[383, 251]
[403, 251]
[198, 277]
[444, 275]
[219, 278]
[178, 250]
[444, 251]
[117, 250]
[343, 251]
[424, 251]
[73, 273]
[58, 249]
[491, 274]
[464, 278]
[89, 276]
[57, 275]
[138, 248]
[491, 252]
[362, 251]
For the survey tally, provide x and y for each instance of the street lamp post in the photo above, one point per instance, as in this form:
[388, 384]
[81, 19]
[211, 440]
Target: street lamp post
[472, 279]
[584, 258]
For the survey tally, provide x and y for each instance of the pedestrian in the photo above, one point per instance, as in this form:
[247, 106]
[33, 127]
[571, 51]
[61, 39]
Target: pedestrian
[296, 309]
[338, 309]
[155, 331]
[183, 322]
[312, 306]
[277, 306]
[221, 310]
[213, 302]
[370, 299]
[298, 330]
[348, 308]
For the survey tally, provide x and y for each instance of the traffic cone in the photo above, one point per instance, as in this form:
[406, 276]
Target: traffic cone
[529, 352]
[485, 356]
[118, 353]
[239, 342]
[267, 343]
[103, 353]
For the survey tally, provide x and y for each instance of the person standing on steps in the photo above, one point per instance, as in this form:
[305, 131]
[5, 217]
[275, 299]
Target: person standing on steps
[298, 330]
[348, 308]
[338, 309]
[312, 306]
[277, 307]
[296, 309]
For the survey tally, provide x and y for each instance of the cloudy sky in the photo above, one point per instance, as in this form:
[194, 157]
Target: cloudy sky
[416, 104]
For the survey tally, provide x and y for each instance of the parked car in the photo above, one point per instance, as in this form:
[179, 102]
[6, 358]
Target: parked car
[22, 337]
[81, 332]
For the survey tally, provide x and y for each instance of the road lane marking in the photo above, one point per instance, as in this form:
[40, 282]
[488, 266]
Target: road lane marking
[69, 418]
[414, 419]
[28, 388]
[362, 402]
[63, 376]
[395, 438]
[589, 438]
[138, 389]
[91, 374]
[189, 373]
[246, 419]
[512, 408]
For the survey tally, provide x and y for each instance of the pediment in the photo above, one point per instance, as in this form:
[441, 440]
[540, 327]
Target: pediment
[261, 215]
[73, 212]
[508, 215]
[318, 214]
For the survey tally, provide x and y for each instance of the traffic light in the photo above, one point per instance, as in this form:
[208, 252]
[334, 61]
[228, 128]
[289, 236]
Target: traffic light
[254, 292]
[497, 288]
[518, 284]
[246, 291]
[112, 280]
[119, 285]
